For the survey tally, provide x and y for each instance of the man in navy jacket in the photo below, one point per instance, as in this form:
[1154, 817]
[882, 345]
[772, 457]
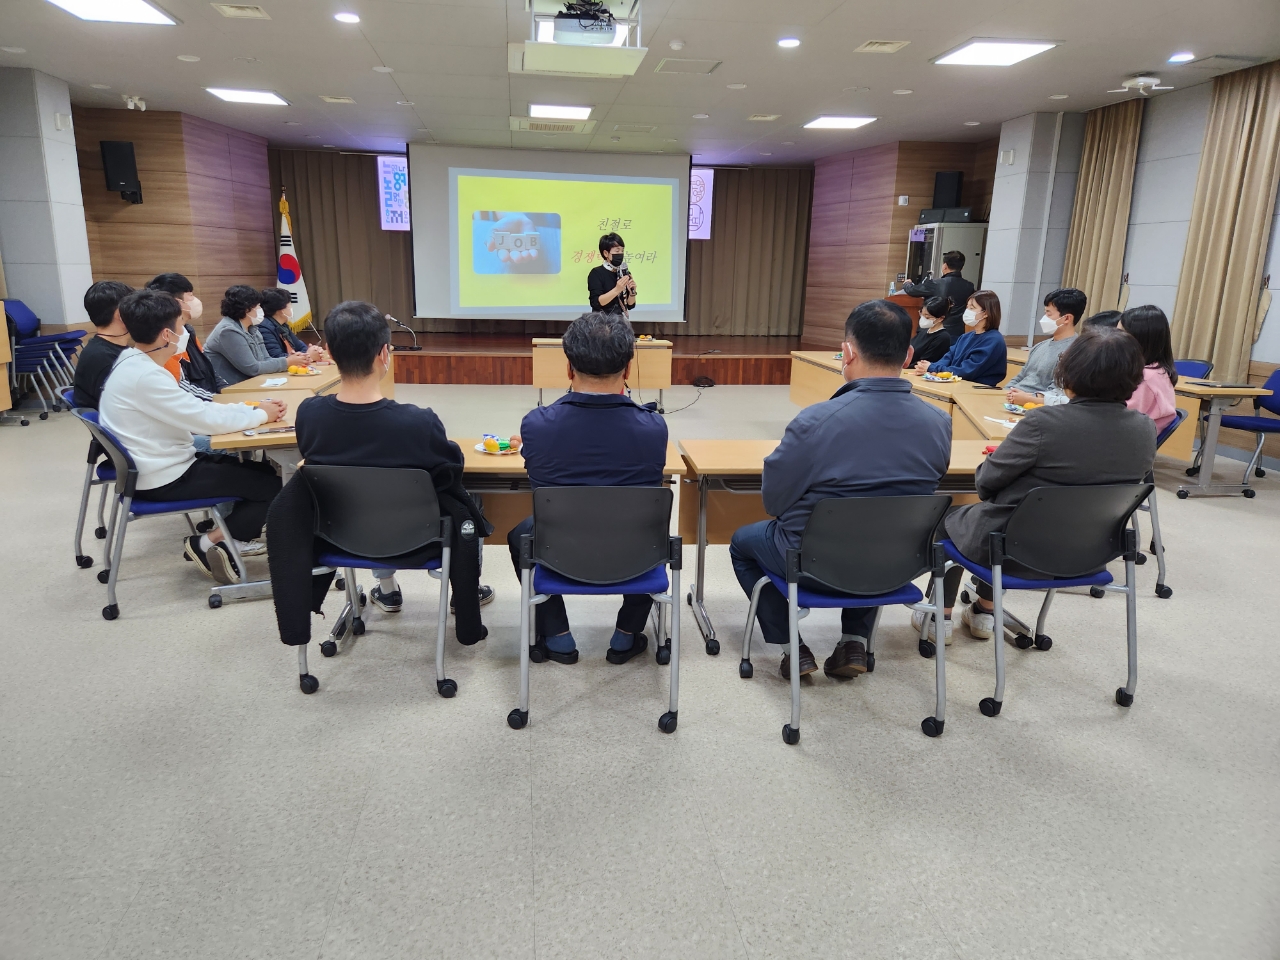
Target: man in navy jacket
[595, 435]
[874, 438]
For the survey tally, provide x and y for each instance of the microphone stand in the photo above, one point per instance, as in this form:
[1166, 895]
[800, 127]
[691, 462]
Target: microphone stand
[405, 326]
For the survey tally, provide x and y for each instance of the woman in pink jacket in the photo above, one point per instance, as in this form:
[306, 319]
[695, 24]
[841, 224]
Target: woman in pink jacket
[1154, 396]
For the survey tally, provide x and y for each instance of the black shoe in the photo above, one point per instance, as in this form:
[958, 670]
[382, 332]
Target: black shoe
[808, 664]
[486, 596]
[847, 660]
[386, 602]
[639, 643]
[484, 632]
[541, 652]
[191, 551]
[222, 565]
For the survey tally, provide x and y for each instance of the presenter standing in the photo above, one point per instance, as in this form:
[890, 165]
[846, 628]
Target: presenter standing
[610, 286]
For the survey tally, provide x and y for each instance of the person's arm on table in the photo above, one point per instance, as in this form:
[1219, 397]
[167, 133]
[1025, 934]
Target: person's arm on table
[176, 406]
[1015, 455]
[977, 357]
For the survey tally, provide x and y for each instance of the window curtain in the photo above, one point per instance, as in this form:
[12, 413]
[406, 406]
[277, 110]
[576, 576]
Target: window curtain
[1215, 315]
[1100, 215]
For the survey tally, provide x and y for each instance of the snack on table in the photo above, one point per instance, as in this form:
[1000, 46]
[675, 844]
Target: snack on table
[1032, 405]
[492, 443]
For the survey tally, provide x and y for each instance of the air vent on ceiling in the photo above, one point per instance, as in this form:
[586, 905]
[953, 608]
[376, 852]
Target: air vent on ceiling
[674, 65]
[881, 46]
[633, 128]
[528, 124]
[241, 11]
[337, 99]
[763, 117]
[1224, 63]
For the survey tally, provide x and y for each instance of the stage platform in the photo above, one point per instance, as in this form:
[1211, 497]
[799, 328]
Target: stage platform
[508, 358]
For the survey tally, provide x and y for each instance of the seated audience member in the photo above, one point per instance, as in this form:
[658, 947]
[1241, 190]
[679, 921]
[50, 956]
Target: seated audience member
[1109, 319]
[1154, 396]
[978, 355]
[191, 368]
[358, 426]
[277, 335]
[1093, 439]
[874, 438]
[593, 436]
[155, 419]
[110, 338]
[235, 346]
[932, 341]
[1063, 309]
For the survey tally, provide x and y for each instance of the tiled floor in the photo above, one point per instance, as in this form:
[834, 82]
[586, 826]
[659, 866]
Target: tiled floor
[166, 791]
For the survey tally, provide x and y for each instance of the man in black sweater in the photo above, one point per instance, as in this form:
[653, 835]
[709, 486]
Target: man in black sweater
[609, 288]
[102, 303]
[951, 285]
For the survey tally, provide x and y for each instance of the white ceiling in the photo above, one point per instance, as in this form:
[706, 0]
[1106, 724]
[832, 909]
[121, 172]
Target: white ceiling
[450, 59]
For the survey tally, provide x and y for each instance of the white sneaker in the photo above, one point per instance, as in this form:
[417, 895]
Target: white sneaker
[917, 620]
[981, 626]
[251, 548]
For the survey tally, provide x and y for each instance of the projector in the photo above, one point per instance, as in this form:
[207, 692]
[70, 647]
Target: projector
[584, 29]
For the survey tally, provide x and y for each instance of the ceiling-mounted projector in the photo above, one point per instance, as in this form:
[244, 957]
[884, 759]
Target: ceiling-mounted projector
[585, 29]
[580, 38]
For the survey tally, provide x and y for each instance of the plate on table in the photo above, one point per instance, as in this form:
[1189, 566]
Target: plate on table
[309, 372]
[495, 453]
[936, 378]
[1014, 409]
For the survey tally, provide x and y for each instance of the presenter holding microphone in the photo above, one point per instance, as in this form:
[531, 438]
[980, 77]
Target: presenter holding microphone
[610, 286]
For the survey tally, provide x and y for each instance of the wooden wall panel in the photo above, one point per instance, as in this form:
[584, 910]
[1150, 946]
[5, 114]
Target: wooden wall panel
[207, 150]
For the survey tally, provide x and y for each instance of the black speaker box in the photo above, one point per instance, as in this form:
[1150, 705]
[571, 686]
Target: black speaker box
[946, 188]
[121, 169]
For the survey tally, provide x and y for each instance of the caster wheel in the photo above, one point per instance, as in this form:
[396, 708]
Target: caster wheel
[1043, 641]
[667, 722]
[964, 597]
[790, 736]
[932, 727]
[100, 533]
[1151, 548]
[871, 663]
[1193, 471]
[111, 611]
[1097, 593]
[328, 649]
[1140, 559]
[307, 683]
[663, 654]
[1163, 592]
[24, 422]
[357, 627]
[928, 649]
[1022, 641]
[536, 655]
[713, 648]
[746, 670]
[1259, 472]
[1183, 494]
[45, 415]
[215, 601]
[204, 526]
[990, 707]
[688, 598]
[83, 562]
[517, 719]
[339, 583]
[1122, 698]
[446, 688]
[104, 576]
[364, 599]
[1249, 493]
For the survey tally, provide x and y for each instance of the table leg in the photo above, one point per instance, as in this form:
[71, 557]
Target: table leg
[1205, 487]
[697, 593]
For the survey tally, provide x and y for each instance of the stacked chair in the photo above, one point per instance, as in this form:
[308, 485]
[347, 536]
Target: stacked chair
[41, 365]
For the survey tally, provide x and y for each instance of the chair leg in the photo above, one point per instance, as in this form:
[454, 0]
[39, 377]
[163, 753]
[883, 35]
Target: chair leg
[932, 726]
[1253, 461]
[519, 717]
[101, 531]
[1042, 640]
[791, 731]
[105, 573]
[353, 601]
[745, 669]
[1124, 695]
[667, 722]
[306, 682]
[81, 559]
[990, 706]
[444, 686]
[1157, 547]
[112, 609]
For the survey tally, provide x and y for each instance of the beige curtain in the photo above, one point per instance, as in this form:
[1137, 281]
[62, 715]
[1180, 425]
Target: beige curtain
[748, 279]
[1100, 216]
[1215, 313]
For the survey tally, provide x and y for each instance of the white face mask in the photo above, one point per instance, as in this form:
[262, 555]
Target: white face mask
[288, 314]
[183, 338]
[255, 318]
[194, 308]
[1048, 324]
[970, 318]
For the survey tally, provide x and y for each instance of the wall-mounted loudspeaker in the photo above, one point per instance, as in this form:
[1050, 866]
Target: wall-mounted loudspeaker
[121, 169]
[946, 188]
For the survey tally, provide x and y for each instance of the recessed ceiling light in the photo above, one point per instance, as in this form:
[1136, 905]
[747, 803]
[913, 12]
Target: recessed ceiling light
[248, 96]
[994, 53]
[972, 123]
[903, 93]
[188, 58]
[1184, 56]
[115, 11]
[676, 44]
[14, 49]
[404, 103]
[347, 17]
[1057, 96]
[99, 86]
[701, 116]
[838, 123]
[736, 86]
[549, 111]
[384, 69]
[788, 43]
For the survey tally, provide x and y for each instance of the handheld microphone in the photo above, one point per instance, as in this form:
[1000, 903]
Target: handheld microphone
[405, 326]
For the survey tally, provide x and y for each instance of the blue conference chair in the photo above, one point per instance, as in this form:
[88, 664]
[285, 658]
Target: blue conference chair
[377, 518]
[46, 361]
[98, 473]
[600, 541]
[1063, 554]
[1259, 425]
[126, 509]
[1195, 369]
[859, 552]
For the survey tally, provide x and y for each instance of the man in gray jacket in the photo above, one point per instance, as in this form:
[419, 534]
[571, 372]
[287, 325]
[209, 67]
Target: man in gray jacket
[874, 438]
[1063, 310]
[235, 347]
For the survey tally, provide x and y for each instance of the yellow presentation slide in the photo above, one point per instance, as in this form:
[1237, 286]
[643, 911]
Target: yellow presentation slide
[528, 240]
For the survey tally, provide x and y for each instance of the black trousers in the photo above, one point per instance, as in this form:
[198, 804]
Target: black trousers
[219, 475]
[951, 587]
[550, 617]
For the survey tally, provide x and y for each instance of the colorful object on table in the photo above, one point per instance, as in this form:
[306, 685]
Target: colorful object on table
[498, 446]
[297, 371]
[945, 377]
[989, 449]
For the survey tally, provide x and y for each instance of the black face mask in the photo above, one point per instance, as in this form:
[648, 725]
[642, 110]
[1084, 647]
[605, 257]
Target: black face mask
[616, 259]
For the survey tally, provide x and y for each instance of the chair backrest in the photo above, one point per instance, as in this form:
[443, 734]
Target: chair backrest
[67, 393]
[1195, 369]
[126, 469]
[869, 545]
[26, 323]
[1271, 403]
[601, 535]
[1072, 531]
[1178, 416]
[374, 512]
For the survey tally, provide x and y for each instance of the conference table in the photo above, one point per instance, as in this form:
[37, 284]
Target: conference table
[650, 369]
[733, 469]
[1214, 399]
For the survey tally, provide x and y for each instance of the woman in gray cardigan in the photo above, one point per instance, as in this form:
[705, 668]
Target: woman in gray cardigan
[1093, 439]
[235, 346]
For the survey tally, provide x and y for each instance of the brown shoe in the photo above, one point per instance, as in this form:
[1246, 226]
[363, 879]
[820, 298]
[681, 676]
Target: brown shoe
[847, 660]
[808, 664]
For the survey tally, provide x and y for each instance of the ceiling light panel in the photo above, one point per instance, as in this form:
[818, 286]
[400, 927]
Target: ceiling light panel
[994, 53]
[838, 123]
[547, 111]
[115, 11]
[248, 96]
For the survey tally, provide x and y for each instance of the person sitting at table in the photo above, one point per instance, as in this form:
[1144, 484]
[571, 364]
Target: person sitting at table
[110, 338]
[1062, 310]
[979, 355]
[191, 368]
[235, 346]
[1093, 439]
[277, 334]
[1055, 396]
[358, 426]
[873, 438]
[594, 435]
[932, 341]
[156, 419]
[1154, 397]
